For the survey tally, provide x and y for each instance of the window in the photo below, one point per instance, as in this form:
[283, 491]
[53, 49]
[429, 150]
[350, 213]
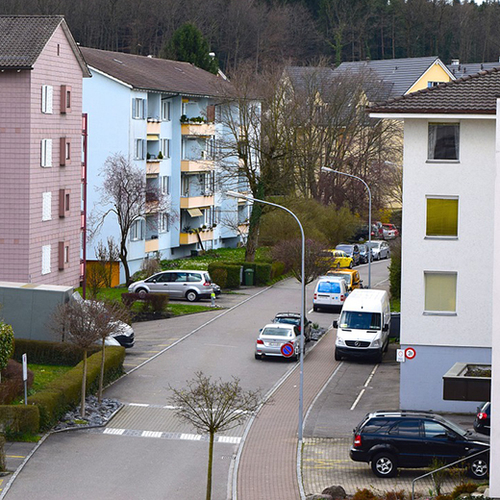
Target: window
[165, 144]
[442, 217]
[63, 255]
[434, 430]
[207, 217]
[165, 110]
[164, 222]
[46, 153]
[440, 292]
[137, 230]
[46, 206]
[138, 108]
[140, 146]
[64, 151]
[64, 202]
[433, 84]
[165, 184]
[406, 428]
[444, 141]
[65, 99]
[47, 93]
[46, 259]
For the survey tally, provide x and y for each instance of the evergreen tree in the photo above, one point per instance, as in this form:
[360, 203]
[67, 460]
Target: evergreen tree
[188, 44]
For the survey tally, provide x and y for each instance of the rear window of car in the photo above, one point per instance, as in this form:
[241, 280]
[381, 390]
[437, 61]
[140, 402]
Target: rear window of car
[376, 426]
[329, 287]
[288, 321]
[277, 332]
[345, 276]
[406, 428]
[194, 277]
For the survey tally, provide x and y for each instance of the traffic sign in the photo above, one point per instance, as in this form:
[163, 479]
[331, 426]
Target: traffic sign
[410, 353]
[287, 350]
[400, 355]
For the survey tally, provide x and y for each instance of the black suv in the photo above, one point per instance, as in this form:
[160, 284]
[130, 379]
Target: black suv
[482, 420]
[392, 439]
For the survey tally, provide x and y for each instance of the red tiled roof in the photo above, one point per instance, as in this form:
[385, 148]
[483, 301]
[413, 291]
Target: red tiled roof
[149, 73]
[472, 94]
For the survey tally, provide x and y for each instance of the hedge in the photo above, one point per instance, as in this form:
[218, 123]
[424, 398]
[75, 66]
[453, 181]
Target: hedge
[19, 419]
[232, 274]
[64, 393]
[41, 352]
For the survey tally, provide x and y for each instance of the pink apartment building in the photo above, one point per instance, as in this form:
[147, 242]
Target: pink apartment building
[41, 71]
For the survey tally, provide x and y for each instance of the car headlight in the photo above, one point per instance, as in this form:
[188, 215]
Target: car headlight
[376, 343]
[340, 341]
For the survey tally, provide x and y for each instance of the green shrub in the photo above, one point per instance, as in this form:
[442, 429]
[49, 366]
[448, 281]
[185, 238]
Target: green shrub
[19, 419]
[395, 271]
[41, 352]
[155, 302]
[277, 269]
[232, 270]
[64, 393]
[262, 273]
[12, 386]
[219, 276]
[6, 344]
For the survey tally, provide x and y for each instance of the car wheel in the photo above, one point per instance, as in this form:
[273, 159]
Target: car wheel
[315, 308]
[258, 356]
[337, 266]
[478, 468]
[338, 357]
[142, 292]
[192, 296]
[384, 465]
[350, 265]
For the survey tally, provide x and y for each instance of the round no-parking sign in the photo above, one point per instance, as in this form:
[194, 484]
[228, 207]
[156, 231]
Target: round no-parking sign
[287, 350]
[410, 353]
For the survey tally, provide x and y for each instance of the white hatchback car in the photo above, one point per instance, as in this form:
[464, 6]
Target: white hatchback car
[274, 336]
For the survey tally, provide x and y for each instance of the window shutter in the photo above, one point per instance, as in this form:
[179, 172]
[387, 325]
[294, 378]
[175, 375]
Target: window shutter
[143, 229]
[134, 105]
[65, 99]
[50, 92]
[61, 255]
[144, 108]
[46, 206]
[46, 259]
[143, 149]
[44, 98]
[48, 152]
[210, 113]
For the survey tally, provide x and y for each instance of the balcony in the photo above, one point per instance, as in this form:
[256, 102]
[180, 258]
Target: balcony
[152, 245]
[197, 201]
[153, 127]
[467, 382]
[190, 239]
[153, 167]
[198, 129]
[194, 166]
[243, 228]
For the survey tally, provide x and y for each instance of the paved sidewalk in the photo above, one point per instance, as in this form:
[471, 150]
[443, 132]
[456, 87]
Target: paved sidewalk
[268, 464]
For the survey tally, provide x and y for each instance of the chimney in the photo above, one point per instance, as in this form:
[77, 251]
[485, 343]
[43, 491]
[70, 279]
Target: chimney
[455, 62]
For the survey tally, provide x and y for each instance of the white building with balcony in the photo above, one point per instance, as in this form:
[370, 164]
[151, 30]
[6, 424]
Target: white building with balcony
[161, 115]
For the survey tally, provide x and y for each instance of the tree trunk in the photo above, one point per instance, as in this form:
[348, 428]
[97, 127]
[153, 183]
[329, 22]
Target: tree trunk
[210, 462]
[84, 384]
[101, 376]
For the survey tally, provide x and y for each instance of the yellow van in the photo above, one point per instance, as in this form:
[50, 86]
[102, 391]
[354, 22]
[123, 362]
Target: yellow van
[351, 277]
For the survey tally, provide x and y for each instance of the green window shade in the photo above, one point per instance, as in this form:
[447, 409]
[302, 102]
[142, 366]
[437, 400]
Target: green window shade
[441, 292]
[442, 217]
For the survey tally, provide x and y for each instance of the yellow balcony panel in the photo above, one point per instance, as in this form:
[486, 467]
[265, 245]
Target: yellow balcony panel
[243, 228]
[152, 245]
[191, 239]
[153, 128]
[152, 167]
[151, 207]
[197, 201]
[193, 166]
[199, 129]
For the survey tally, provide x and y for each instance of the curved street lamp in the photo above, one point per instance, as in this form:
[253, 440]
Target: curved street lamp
[326, 169]
[234, 194]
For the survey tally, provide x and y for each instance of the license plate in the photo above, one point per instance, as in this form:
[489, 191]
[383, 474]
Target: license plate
[274, 344]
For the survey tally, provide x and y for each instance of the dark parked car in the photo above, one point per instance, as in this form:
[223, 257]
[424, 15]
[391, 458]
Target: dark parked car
[482, 420]
[293, 318]
[392, 439]
[364, 252]
[352, 251]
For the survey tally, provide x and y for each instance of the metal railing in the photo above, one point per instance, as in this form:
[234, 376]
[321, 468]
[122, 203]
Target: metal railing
[432, 472]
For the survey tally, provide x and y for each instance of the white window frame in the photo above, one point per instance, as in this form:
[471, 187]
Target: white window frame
[46, 153]
[431, 142]
[165, 144]
[165, 184]
[165, 110]
[138, 108]
[47, 99]
[441, 312]
[164, 226]
[137, 230]
[46, 256]
[139, 149]
[47, 206]
[208, 217]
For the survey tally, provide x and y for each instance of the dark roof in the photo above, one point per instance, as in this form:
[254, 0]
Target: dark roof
[459, 70]
[473, 94]
[302, 76]
[398, 74]
[149, 73]
[22, 39]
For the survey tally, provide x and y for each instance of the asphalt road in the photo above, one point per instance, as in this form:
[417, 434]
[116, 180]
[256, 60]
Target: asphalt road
[145, 452]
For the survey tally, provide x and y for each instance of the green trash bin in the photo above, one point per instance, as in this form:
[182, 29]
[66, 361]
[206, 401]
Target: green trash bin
[249, 277]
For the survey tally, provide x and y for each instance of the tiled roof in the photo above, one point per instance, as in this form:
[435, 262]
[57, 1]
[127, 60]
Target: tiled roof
[473, 94]
[400, 74]
[301, 76]
[460, 70]
[22, 39]
[149, 73]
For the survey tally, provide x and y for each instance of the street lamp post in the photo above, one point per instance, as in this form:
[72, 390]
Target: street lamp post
[234, 194]
[326, 169]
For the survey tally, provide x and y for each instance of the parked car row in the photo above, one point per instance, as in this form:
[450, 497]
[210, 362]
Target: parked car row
[378, 231]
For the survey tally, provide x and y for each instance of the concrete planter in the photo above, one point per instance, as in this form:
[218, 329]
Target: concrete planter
[465, 382]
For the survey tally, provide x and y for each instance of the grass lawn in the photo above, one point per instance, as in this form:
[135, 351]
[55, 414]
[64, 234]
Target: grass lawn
[44, 374]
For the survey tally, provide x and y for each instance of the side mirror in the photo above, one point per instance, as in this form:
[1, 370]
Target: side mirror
[335, 324]
[260, 330]
[386, 328]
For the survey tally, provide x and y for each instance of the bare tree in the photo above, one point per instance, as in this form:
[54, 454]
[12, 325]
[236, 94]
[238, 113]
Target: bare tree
[213, 407]
[84, 323]
[127, 194]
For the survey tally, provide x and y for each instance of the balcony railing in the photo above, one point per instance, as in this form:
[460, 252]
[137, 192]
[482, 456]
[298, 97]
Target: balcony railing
[197, 165]
[152, 245]
[191, 238]
[198, 129]
[197, 201]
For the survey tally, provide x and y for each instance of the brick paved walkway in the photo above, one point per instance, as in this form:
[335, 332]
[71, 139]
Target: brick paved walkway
[268, 464]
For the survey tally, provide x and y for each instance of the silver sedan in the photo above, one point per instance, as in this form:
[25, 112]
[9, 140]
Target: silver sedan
[278, 339]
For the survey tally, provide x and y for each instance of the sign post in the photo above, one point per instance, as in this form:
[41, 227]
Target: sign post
[25, 377]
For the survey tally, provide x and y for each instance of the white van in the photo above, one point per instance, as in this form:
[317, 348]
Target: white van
[363, 326]
[330, 292]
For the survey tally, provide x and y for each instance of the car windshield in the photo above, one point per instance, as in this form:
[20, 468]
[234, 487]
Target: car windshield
[360, 320]
[456, 428]
[345, 248]
[344, 276]
[288, 321]
[329, 287]
[276, 332]
[372, 244]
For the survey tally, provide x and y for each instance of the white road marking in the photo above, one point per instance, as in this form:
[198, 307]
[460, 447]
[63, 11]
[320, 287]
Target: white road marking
[151, 434]
[191, 437]
[229, 439]
[368, 380]
[117, 432]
